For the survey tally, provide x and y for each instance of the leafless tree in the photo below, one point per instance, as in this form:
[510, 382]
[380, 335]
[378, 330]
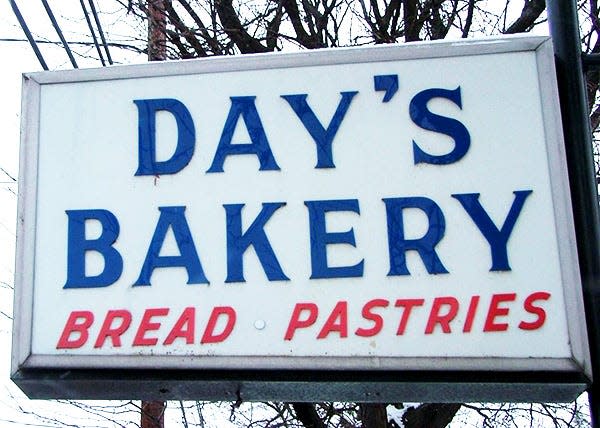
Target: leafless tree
[203, 28]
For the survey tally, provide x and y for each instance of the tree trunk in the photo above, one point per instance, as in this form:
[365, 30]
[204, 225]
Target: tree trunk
[430, 415]
[307, 414]
[373, 415]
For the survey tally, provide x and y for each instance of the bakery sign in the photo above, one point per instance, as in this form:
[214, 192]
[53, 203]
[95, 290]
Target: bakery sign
[397, 209]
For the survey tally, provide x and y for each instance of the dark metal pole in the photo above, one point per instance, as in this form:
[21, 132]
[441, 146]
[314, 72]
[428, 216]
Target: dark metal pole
[564, 28]
[590, 61]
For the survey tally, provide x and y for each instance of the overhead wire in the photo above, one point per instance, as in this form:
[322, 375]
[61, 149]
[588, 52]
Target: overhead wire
[99, 27]
[59, 32]
[81, 43]
[8, 175]
[93, 33]
[34, 44]
[28, 34]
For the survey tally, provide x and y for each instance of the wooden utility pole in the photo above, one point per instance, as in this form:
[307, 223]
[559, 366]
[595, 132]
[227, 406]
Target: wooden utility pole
[157, 30]
[153, 412]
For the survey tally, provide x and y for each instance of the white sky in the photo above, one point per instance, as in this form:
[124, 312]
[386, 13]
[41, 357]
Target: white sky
[17, 58]
[16, 410]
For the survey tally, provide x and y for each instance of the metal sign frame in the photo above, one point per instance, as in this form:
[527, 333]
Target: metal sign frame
[462, 379]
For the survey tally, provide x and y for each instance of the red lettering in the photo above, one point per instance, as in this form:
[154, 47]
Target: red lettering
[114, 333]
[408, 305]
[471, 314]
[147, 325]
[536, 310]
[209, 335]
[369, 315]
[79, 322]
[496, 311]
[295, 321]
[184, 327]
[435, 316]
[337, 321]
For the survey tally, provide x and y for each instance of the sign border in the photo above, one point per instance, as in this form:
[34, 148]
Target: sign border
[570, 374]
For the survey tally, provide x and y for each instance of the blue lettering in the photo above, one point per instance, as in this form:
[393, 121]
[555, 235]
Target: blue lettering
[425, 246]
[425, 119]
[186, 136]
[497, 239]
[322, 137]
[245, 108]
[238, 242]
[173, 217]
[320, 238]
[78, 245]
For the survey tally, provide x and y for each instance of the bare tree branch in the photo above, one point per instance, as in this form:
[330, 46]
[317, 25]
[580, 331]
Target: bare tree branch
[373, 415]
[469, 20]
[202, 28]
[303, 38]
[411, 28]
[531, 11]
[185, 31]
[307, 414]
[430, 415]
[235, 30]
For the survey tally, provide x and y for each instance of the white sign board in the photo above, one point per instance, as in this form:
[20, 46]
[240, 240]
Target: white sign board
[385, 208]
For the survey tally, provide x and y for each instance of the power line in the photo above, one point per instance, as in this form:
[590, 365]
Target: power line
[34, 43]
[8, 175]
[30, 38]
[99, 26]
[89, 23]
[50, 42]
[59, 32]
[11, 191]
